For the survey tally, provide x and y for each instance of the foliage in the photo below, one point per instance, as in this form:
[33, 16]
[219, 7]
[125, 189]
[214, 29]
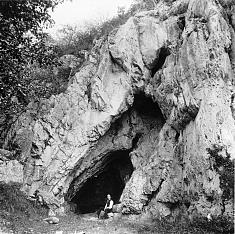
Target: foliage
[22, 42]
[226, 3]
[224, 166]
[42, 82]
[145, 4]
[74, 40]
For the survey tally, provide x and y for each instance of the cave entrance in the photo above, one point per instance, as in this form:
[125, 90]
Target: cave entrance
[111, 180]
[115, 168]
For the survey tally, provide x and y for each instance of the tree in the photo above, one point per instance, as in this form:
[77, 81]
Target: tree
[22, 42]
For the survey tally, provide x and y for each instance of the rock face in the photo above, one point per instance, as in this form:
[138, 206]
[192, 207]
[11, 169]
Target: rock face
[161, 87]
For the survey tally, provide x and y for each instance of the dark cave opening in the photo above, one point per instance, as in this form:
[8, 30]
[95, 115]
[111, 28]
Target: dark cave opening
[160, 60]
[116, 167]
[145, 106]
[111, 180]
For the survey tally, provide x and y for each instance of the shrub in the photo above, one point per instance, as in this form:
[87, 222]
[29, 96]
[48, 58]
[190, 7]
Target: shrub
[224, 166]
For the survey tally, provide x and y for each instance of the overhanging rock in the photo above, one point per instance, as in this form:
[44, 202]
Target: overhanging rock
[180, 57]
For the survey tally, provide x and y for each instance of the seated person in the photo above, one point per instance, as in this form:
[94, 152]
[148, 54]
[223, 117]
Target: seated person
[107, 209]
[37, 198]
[108, 206]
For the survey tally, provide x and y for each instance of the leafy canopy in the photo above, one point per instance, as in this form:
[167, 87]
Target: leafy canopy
[22, 42]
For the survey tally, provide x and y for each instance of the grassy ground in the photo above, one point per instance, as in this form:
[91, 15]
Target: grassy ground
[19, 215]
[89, 224]
[16, 211]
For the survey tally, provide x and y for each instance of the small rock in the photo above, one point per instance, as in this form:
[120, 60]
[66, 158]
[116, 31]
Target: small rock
[59, 232]
[52, 220]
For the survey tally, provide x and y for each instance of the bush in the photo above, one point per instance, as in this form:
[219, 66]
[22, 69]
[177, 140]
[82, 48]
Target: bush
[73, 40]
[43, 82]
[224, 166]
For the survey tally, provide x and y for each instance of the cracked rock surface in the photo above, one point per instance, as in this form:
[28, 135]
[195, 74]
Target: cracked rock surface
[181, 57]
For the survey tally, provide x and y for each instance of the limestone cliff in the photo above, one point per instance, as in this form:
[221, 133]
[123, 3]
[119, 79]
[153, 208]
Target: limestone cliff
[161, 87]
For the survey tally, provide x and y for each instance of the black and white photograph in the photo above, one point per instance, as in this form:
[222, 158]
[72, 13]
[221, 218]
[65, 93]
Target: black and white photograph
[117, 116]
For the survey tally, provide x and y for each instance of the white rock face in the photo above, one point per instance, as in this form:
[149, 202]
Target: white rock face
[182, 57]
[11, 171]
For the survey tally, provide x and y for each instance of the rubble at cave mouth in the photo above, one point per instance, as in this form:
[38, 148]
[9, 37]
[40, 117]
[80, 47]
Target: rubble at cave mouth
[111, 180]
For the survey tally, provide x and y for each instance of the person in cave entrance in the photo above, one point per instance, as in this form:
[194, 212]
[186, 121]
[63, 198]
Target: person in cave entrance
[107, 209]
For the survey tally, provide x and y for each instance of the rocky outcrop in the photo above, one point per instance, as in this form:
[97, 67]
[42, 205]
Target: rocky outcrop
[161, 86]
[10, 168]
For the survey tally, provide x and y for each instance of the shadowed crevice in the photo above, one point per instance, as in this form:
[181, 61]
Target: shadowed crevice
[159, 61]
[181, 22]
